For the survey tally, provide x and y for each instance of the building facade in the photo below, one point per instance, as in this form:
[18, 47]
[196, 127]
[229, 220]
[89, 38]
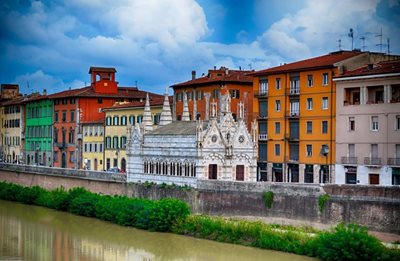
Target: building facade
[118, 120]
[181, 152]
[93, 145]
[203, 90]
[39, 131]
[296, 117]
[368, 111]
[12, 131]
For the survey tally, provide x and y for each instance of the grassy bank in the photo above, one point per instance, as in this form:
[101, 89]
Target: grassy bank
[350, 242]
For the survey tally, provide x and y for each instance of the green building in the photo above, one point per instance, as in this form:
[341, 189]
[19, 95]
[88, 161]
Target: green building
[39, 131]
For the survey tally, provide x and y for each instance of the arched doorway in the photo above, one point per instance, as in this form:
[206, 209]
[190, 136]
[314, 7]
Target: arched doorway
[95, 164]
[123, 165]
[63, 160]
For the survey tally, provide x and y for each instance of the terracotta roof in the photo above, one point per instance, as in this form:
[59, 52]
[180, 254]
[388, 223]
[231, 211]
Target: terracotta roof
[154, 101]
[24, 99]
[123, 92]
[324, 61]
[93, 122]
[232, 76]
[371, 69]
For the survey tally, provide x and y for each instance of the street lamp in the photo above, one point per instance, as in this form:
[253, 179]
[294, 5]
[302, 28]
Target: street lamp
[325, 152]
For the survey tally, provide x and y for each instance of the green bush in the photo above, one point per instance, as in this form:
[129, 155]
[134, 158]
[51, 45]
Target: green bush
[28, 195]
[10, 191]
[350, 242]
[268, 198]
[322, 199]
[84, 204]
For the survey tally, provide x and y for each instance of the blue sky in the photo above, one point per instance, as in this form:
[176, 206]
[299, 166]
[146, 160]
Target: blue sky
[51, 44]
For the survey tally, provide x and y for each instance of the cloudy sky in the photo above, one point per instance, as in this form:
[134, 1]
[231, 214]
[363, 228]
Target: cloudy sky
[155, 43]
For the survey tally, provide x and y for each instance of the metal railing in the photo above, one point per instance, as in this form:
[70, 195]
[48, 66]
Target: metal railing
[393, 161]
[349, 160]
[262, 136]
[372, 161]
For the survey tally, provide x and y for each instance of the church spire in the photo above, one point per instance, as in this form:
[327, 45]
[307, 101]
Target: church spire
[185, 113]
[166, 116]
[147, 122]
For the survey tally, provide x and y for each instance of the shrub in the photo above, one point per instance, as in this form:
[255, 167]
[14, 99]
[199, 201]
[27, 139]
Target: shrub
[28, 195]
[9, 191]
[268, 198]
[82, 202]
[322, 199]
[350, 242]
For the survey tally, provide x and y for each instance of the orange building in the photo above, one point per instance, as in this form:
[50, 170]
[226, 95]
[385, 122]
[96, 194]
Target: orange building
[296, 117]
[202, 91]
[72, 108]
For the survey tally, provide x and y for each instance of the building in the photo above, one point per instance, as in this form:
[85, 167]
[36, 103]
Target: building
[296, 116]
[39, 131]
[73, 108]
[118, 119]
[93, 145]
[208, 88]
[368, 111]
[12, 131]
[182, 152]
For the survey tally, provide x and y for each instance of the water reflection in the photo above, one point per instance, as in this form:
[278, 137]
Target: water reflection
[35, 233]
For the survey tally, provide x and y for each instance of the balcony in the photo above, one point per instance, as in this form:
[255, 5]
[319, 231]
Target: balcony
[393, 161]
[349, 160]
[263, 136]
[262, 116]
[261, 93]
[293, 91]
[293, 113]
[372, 161]
[292, 158]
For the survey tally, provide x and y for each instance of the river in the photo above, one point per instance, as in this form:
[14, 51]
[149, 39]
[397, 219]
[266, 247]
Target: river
[36, 233]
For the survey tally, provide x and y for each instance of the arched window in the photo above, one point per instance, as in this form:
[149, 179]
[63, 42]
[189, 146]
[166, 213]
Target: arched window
[108, 142]
[132, 119]
[139, 118]
[115, 120]
[123, 120]
[108, 120]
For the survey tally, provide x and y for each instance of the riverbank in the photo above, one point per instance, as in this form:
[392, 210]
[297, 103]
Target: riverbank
[171, 215]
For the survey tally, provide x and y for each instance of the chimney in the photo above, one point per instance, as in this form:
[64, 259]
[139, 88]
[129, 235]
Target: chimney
[193, 75]
[44, 92]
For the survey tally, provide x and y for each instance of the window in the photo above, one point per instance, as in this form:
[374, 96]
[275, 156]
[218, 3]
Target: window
[90, 130]
[324, 127]
[199, 95]
[72, 156]
[263, 109]
[397, 127]
[115, 142]
[139, 119]
[101, 128]
[71, 138]
[324, 103]
[123, 142]
[374, 123]
[278, 83]
[90, 147]
[72, 101]
[101, 147]
[309, 104]
[178, 96]
[64, 116]
[310, 80]
[156, 118]
[56, 116]
[277, 127]
[277, 149]
[108, 142]
[352, 124]
[85, 147]
[72, 115]
[278, 105]
[95, 147]
[351, 150]
[123, 120]
[64, 101]
[309, 127]
[132, 120]
[189, 95]
[55, 157]
[309, 150]
[215, 94]
[108, 120]
[115, 120]
[235, 94]
[325, 79]
[263, 88]
[99, 100]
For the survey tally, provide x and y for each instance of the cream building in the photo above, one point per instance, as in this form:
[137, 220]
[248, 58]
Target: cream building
[118, 119]
[182, 152]
[368, 120]
[93, 146]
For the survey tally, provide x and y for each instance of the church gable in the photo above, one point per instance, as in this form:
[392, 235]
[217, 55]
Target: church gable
[213, 137]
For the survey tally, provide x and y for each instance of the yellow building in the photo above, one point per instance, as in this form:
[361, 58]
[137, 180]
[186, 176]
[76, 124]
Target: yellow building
[296, 112]
[118, 120]
[93, 145]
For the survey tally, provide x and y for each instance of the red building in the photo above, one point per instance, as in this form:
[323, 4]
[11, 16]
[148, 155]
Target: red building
[72, 108]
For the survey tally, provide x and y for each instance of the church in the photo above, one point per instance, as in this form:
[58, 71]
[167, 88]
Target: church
[183, 152]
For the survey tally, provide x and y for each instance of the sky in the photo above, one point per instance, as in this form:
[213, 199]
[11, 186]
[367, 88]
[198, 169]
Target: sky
[153, 44]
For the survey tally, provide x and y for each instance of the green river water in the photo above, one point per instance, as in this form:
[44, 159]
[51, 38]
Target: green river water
[36, 233]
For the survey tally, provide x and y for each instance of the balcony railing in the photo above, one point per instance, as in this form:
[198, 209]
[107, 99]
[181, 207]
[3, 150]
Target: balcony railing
[293, 113]
[393, 161]
[372, 161]
[293, 91]
[262, 92]
[292, 158]
[349, 160]
[262, 136]
[263, 116]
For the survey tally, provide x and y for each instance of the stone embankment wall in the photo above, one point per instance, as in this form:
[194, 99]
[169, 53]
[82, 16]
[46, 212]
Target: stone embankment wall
[375, 207]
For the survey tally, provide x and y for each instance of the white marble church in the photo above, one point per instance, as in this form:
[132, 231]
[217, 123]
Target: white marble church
[182, 152]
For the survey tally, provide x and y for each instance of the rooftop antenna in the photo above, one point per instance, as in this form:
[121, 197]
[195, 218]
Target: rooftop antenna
[136, 84]
[380, 43]
[351, 35]
[340, 44]
[363, 45]
[388, 46]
